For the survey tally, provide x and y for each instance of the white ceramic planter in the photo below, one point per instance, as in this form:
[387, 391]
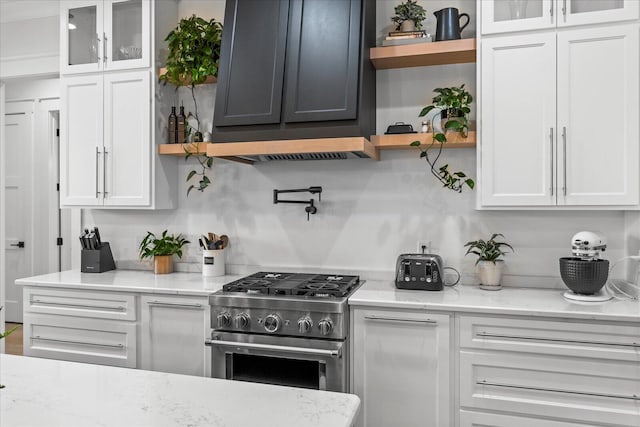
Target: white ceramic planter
[490, 274]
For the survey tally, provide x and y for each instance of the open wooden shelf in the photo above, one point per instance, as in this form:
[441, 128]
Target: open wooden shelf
[421, 54]
[179, 149]
[187, 82]
[402, 141]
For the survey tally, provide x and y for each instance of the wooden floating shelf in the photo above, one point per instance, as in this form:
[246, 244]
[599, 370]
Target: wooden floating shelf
[421, 54]
[294, 146]
[187, 82]
[179, 149]
[402, 141]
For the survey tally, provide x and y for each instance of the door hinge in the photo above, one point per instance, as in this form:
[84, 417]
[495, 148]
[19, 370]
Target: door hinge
[59, 241]
[58, 132]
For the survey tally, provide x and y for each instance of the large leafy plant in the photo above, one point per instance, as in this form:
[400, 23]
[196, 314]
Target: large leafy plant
[447, 99]
[409, 11]
[489, 250]
[166, 244]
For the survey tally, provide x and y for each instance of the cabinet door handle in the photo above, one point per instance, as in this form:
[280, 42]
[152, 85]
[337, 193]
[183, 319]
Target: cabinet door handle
[559, 390]
[174, 304]
[564, 9]
[551, 143]
[552, 7]
[98, 49]
[564, 341]
[39, 338]
[104, 172]
[104, 51]
[564, 160]
[69, 304]
[97, 169]
[399, 319]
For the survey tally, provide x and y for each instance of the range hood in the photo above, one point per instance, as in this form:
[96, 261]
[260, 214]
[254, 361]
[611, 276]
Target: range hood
[295, 149]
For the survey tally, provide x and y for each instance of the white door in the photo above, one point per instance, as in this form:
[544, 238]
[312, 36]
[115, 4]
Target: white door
[518, 79]
[82, 46]
[173, 332]
[598, 115]
[127, 34]
[127, 140]
[401, 368]
[499, 16]
[578, 12]
[18, 225]
[81, 140]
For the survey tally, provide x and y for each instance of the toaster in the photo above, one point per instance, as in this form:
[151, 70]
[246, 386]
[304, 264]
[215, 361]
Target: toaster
[421, 272]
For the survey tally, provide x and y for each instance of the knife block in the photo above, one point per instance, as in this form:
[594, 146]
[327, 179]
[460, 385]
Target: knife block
[97, 260]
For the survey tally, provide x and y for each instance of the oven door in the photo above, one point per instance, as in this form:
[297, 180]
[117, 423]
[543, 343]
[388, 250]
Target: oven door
[295, 362]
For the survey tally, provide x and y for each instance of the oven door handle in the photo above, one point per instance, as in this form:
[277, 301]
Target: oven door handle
[279, 348]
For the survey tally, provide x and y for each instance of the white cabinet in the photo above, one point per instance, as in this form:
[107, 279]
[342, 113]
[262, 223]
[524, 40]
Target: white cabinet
[172, 334]
[558, 127]
[98, 35]
[499, 16]
[113, 110]
[401, 367]
[570, 371]
[106, 155]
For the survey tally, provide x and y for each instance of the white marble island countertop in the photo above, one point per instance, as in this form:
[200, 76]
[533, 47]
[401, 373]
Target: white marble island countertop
[132, 281]
[509, 300]
[52, 393]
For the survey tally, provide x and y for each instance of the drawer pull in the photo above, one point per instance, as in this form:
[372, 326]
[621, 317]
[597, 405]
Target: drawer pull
[398, 319]
[174, 304]
[92, 307]
[557, 390]
[39, 338]
[517, 337]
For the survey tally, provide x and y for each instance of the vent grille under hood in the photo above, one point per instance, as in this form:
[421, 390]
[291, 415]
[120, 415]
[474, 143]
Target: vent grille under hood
[299, 149]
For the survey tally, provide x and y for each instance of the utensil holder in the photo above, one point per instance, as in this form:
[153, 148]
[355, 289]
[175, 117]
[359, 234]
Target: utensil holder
[213, 262]
[97, 260]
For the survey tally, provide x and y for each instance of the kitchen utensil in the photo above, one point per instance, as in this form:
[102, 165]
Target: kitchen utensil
[585, 273]
[225, 240]
[448, 24]
[419, 272]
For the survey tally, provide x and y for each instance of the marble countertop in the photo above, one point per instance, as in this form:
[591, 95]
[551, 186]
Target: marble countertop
[514, 301]
[43, 392]
[132, 281]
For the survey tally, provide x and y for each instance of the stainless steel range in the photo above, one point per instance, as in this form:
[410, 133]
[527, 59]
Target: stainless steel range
[283, 328]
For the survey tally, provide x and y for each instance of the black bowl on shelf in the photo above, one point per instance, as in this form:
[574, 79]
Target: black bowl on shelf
[585, 277]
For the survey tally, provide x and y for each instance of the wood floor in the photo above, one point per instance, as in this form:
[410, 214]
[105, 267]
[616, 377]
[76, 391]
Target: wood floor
[13, 343]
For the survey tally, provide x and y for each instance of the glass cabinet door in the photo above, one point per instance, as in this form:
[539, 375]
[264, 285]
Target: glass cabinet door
[500, 16]
[577, 12]
[127, 32]
[82, 45]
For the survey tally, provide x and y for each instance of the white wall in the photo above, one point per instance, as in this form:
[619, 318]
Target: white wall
[370, 211]
[29, 47]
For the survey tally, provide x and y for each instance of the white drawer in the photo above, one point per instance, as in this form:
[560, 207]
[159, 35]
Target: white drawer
[104, 342]
[578, 389]
[102, 305]
[583, 339]
[481, 419]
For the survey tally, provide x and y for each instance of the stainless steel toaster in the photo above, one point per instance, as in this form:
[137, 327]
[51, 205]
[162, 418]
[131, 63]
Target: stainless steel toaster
[419, 272]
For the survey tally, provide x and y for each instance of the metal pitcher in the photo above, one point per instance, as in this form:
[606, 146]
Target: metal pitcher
[448, 24]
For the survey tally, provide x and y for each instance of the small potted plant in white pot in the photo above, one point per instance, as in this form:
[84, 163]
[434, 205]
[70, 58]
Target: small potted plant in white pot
[162, 249]
[409, 16]
[489, 265]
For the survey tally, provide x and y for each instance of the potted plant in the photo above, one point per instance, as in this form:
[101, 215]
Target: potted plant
[162, 250]
[409, 16]
[489, 266]
[454, 101]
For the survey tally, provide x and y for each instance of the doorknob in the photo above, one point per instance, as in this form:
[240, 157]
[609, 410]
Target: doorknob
[19, 244]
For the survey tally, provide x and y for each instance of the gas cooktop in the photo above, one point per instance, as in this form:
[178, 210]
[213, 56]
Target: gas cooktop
[295, 284]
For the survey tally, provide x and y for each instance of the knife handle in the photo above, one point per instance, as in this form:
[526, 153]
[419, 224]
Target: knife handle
[97, 234]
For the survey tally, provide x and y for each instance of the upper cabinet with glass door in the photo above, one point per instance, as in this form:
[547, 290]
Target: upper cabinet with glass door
[98, 35]
[501, 16]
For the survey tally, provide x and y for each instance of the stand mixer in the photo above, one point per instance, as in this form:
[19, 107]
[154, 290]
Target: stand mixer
[585, 274]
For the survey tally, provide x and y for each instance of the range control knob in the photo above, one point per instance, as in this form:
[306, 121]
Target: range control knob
[325, 326]
[304, 325]
[242, 321]
[272, 323]
[224, 320]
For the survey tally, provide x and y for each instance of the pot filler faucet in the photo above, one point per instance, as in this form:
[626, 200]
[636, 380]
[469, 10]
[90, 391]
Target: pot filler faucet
[310, 209]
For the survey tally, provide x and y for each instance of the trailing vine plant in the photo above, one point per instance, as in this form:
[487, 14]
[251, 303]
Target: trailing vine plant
[450, 100]
[206, 162]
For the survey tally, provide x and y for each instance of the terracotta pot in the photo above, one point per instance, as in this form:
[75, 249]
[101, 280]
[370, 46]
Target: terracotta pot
[490, 274]
[408, 25]
[163, 264]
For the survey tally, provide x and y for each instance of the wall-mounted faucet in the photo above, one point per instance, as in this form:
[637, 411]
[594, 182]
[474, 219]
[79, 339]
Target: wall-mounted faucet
[310, 209]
